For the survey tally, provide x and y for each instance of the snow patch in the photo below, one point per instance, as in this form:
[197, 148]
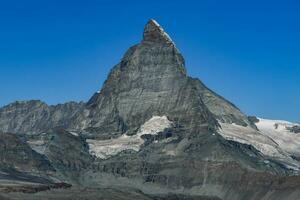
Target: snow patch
[37, 145]
[278, 131]
[170, 152]
[106, 148]
[262, 142]
[74, 133]
[248, 135]
[3, 173]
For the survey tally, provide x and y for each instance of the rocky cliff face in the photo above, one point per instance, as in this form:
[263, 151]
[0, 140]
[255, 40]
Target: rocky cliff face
[36, 117]
[17, 154]
[154, 129]
[150, 80]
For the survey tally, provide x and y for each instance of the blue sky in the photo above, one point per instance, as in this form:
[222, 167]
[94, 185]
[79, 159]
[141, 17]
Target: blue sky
[247, 51]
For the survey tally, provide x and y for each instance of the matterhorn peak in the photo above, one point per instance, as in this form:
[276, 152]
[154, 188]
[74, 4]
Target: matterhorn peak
[154, 33]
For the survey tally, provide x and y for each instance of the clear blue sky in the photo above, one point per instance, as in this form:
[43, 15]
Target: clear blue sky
[247, 51]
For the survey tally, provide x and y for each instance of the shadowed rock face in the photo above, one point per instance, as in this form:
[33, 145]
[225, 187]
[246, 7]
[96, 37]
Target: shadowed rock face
[17, 155]
[67, 153]
[295, 129]
[20, 165]
[188, 159]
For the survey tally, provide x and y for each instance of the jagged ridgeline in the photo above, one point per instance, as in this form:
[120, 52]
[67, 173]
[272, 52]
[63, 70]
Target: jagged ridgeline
[151, 132]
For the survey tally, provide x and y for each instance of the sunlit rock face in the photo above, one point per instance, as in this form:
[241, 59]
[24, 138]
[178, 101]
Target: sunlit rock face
[150, 80]
[154, 34]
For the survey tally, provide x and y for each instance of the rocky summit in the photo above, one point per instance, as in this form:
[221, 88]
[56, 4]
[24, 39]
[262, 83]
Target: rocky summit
[151, 132]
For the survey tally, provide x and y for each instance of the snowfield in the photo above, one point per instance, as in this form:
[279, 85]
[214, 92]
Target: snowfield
[278, 131]
[273, 139]
[106, 148]
[248, 135]
[269, 141]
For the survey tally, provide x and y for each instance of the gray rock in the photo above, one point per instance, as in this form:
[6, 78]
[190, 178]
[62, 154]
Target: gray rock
[154, 34]
[150, 80]
[294, 129]
[36, 117]
[19, 162]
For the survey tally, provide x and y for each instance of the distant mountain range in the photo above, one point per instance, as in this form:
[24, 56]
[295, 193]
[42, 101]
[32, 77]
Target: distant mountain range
[151, 132]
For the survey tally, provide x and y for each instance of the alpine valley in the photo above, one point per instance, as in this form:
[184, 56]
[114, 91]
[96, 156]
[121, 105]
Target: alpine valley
[151, 132]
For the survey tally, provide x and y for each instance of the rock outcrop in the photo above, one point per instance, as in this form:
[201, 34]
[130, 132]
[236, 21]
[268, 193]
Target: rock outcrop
[36, 117]
[17, 155]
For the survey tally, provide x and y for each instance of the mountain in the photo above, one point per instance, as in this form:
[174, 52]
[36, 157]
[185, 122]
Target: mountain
[35, 116]
[155, 133]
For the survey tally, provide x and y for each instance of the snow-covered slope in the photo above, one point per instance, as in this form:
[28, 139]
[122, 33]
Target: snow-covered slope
[106, 148]
[273, 139]
[248, 135]
[281, 132]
